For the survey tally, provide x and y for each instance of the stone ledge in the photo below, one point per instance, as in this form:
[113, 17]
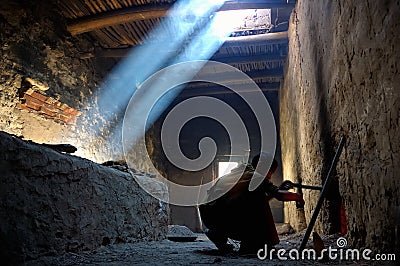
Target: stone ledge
[52, 203]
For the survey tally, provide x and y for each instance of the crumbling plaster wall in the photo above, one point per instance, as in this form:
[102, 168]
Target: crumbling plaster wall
[34, 43]
[343, 78]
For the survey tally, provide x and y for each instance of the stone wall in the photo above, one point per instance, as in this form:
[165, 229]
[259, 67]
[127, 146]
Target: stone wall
[34, 44]
[343, 78]
[51, 203]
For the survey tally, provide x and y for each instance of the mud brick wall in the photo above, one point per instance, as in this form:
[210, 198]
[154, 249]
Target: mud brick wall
[342, 78]
[51, 203]
[35, 46]
[49, 107]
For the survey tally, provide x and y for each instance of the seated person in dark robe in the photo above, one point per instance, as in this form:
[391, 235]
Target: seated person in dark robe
[244, 215]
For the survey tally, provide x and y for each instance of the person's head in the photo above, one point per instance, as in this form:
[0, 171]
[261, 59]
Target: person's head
[263, 158]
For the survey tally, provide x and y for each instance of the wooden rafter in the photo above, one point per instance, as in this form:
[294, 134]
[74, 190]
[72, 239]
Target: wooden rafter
[204, 85]
[218, 91]
[233, 78]
[262, 39]
[110, 18]
[267, 38]
[276, 58]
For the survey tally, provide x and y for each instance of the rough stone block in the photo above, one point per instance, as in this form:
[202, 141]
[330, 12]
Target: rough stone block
[39, 96]
[33, 105]
[51, 203]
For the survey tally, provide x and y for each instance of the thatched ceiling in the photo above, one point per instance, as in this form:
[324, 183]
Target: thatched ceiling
[122, 24]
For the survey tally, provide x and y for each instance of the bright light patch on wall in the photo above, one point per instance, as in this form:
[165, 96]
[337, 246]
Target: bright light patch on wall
[225, 167]
[245, 19]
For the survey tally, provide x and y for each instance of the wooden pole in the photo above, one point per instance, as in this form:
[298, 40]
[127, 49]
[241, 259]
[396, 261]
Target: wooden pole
[190, 92]
[261, 39]
[267, 38]
[120, 16]
[325, 188]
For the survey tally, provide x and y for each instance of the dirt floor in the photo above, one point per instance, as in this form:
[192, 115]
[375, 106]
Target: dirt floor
[200, 252]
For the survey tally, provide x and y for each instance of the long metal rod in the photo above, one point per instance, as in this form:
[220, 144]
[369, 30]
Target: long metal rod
[307, 186]
[324, 190]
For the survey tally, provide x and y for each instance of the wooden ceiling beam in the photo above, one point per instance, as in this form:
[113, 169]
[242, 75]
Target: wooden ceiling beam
[231, 78]
[266, 38]
[257, 74]
[273, 58]
[220, 91]
[261, 39]
[122, 53]
[144, 12]
[203, 85]
[115, 17]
